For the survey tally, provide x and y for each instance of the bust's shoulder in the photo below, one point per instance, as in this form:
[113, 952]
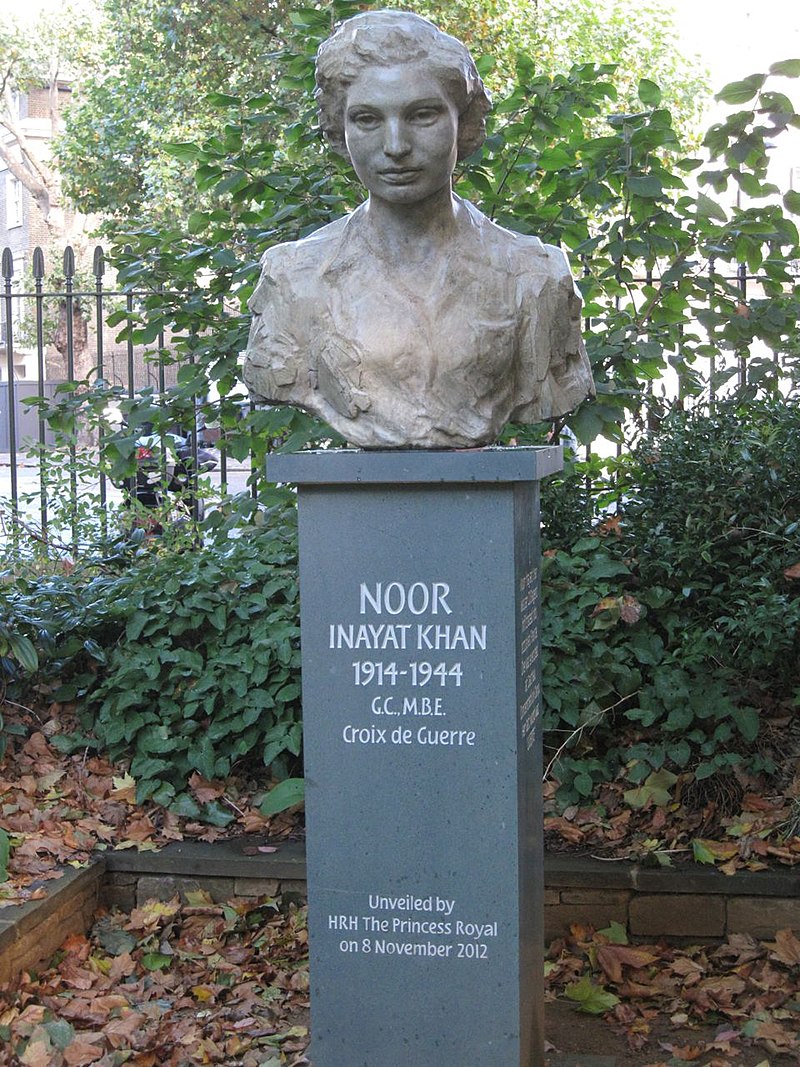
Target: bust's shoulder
[308, 252]
[521, 253]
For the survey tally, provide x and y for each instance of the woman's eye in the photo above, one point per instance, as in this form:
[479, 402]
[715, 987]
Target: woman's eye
[365, 121]
[425, 115]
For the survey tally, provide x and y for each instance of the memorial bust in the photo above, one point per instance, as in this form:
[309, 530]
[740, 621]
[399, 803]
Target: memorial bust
[415, 321]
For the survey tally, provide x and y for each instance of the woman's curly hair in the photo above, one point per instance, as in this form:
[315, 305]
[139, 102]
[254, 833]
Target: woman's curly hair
[387, 39]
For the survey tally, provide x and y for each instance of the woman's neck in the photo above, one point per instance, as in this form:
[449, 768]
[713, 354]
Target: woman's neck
[412, 233]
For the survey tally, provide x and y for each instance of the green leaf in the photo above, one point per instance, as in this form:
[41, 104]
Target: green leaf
[60, 1032]
[156, 961]
[185, 805]
[114, 940]
[742, 91]
[24, 652]
[197, 222]
[705, 770]
[709, 209]
[649, 93]
[787, 68]
[555, 158]
[216, 815]
[616, 933]
[289, 792]
[183, 150]
[747, 722]
[646, 185]
[701, 853]
[223, 100]
[591, 998]
[5, 851]
[791, 201]
[655, 790]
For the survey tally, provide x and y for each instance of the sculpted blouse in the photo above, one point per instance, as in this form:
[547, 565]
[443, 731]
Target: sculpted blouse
[493, 336]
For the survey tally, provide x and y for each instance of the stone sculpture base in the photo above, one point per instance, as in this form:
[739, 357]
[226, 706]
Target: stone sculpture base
[419, 581]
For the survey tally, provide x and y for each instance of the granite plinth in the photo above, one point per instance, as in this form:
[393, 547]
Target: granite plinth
[419, 577]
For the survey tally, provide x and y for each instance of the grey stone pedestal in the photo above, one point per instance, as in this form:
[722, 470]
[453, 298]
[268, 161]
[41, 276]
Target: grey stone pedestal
[419, 584]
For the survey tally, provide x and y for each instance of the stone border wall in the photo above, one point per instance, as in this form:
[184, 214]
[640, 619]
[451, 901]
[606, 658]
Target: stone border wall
[686, 903]
[32, 932]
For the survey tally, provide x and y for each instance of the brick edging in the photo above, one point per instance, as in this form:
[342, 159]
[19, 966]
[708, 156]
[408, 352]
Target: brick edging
[679, 903]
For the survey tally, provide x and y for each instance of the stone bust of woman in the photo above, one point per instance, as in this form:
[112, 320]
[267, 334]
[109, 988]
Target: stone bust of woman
[415, 321]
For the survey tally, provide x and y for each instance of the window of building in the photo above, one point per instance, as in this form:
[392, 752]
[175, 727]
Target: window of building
[13, 201]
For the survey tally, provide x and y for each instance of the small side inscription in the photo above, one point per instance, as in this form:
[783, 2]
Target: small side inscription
[530, 708]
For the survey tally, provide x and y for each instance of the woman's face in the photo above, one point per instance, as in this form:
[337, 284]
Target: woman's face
[401, 130]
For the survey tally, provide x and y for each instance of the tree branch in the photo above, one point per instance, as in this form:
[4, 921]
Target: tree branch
[37, 177]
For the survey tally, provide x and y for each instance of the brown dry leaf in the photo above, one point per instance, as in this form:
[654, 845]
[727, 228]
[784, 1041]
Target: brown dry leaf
[37, 748]
[785, 947]
[776, 1038]
[685, 1053]
[75, 976]
[793, 571]
[77, 945]
[88, 1048]
[39, 1053]
[718, 991]
[204, 790]
[631, 610]
[121, 967]
[139, 829]
[119, 1031]
[565, 829]
[152, 913]
[612, 958]
[637, 990]
[686, 967]
[741, 947]
[111, 1002]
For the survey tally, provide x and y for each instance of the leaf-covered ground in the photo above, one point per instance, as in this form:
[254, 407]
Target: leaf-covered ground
[730, 1005]
[731, 820]
[168, 985]
[60, 809]
[174, 985]
[202, 983]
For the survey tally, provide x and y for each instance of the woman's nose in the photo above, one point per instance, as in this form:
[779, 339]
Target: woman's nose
[395, 142]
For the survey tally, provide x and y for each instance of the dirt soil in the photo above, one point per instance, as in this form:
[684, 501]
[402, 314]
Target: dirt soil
[569, 1032]
[573, 1034]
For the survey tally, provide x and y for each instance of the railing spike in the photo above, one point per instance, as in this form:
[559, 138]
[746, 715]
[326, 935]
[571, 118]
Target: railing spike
[69, 262]
[99, 262]
[7, 264]
[38, 263]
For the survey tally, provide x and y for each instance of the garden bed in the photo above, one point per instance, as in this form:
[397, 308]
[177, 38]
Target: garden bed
[200, 949]
[681, 904]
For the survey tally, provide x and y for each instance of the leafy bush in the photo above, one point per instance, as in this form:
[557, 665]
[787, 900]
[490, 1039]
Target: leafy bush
[680, 621]
[714, 510]
[183, 662]
[666, 628]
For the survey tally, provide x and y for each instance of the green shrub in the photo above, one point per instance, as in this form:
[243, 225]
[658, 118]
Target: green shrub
[678, 622]
[184, 662]
[714, 513]
[665, 627]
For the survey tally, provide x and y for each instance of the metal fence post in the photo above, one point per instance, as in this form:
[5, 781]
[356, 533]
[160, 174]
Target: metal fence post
[38, 283]
[8, 275]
